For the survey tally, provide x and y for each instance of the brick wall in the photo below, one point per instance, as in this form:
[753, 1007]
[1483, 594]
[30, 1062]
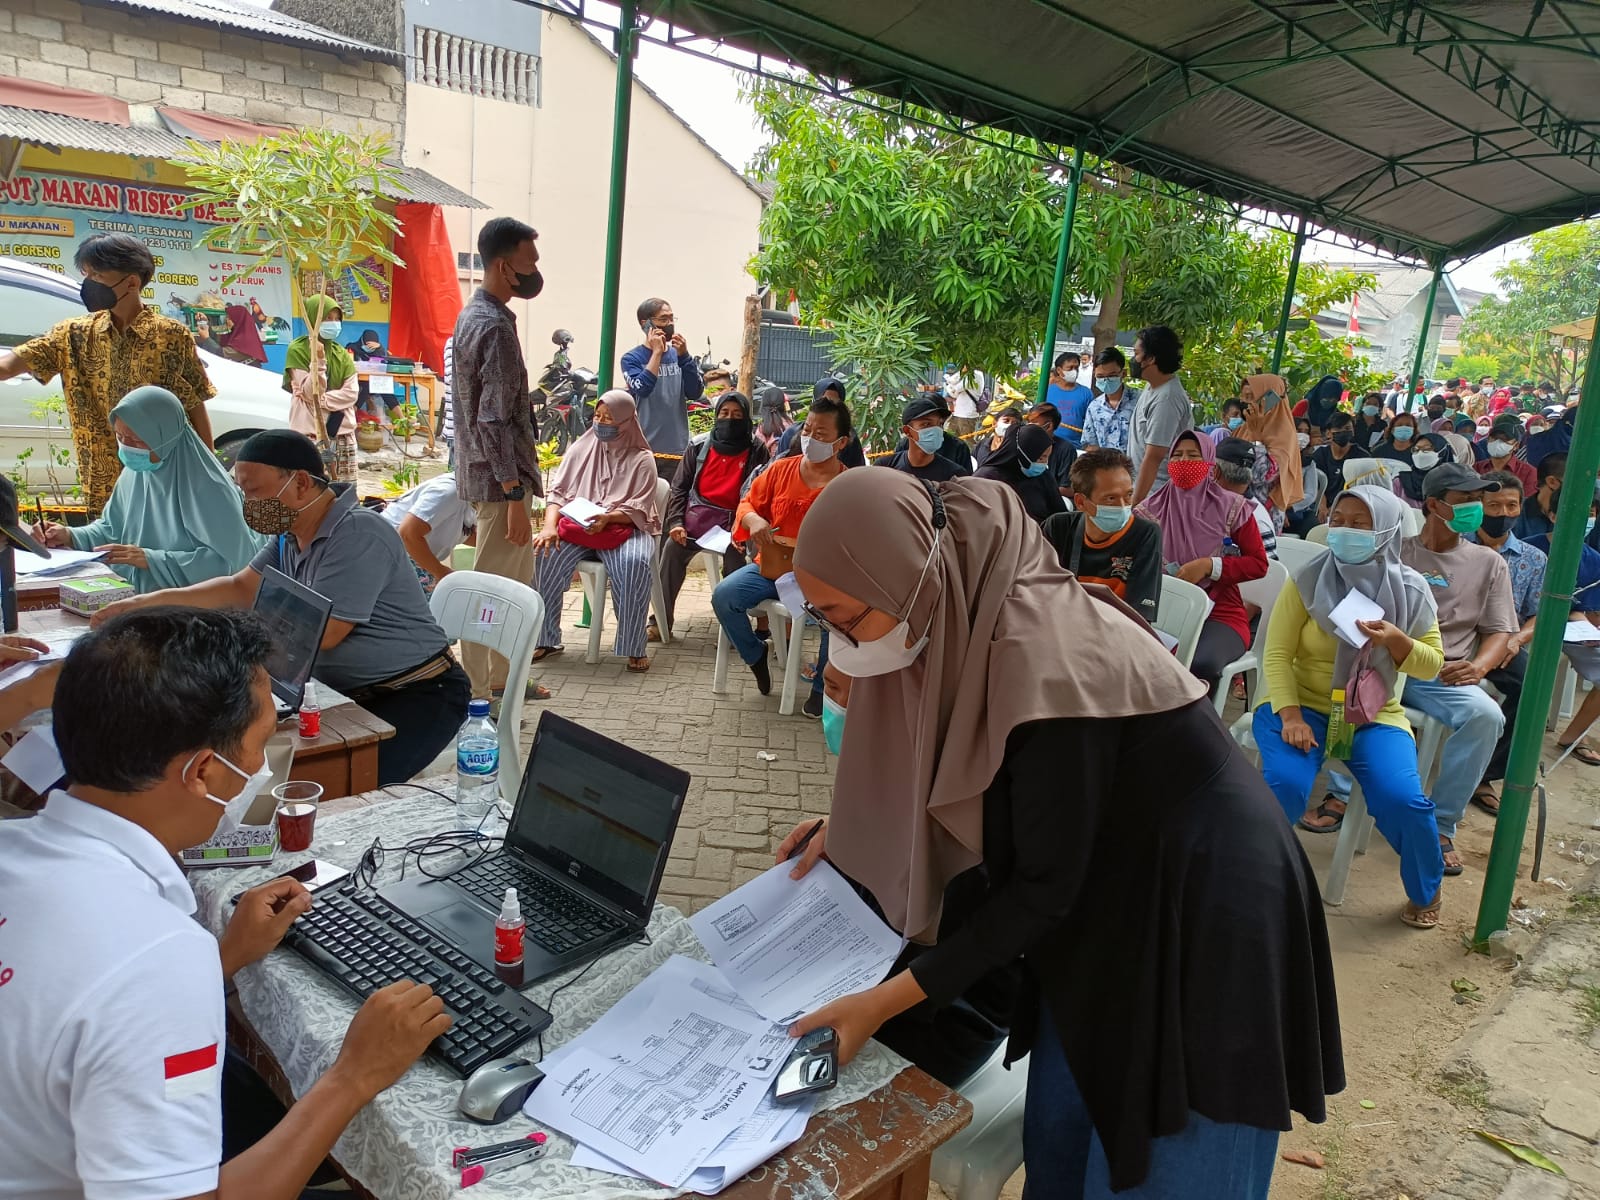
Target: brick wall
[157, 60]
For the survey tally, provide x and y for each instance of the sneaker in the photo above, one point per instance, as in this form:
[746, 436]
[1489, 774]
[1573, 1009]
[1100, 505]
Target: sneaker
[763, 677]
[813, 705]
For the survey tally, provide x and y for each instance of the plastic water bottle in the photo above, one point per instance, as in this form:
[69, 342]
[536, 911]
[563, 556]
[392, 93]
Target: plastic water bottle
[477, 766]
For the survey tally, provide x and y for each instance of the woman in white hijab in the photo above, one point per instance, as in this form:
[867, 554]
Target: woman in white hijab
[1180, 996]
[1306, 659]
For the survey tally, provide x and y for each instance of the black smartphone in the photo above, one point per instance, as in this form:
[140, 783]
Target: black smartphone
[813, 1067]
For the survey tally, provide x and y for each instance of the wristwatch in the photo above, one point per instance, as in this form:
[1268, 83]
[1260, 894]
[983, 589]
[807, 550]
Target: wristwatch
[517, 493]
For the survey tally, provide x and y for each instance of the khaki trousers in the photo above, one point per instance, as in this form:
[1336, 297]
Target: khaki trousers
[496, 556]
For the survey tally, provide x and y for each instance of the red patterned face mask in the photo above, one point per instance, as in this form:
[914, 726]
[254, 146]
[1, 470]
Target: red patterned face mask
[1188, 472]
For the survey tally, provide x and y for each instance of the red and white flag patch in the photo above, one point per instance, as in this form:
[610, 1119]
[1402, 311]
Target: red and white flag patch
[191, 1073]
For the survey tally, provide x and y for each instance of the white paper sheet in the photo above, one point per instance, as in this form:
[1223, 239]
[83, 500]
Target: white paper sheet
[716, 539]
[772, 1128]
[1167, 640]
[790, 946]
[790, 595]
[1579, 632]
[59, 560]
[664, 1077]
[1356, 606]
[582, 511]
[35, 759]
[380, 385]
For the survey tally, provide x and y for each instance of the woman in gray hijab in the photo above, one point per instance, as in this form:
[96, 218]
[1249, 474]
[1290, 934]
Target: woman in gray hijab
[1309, 653]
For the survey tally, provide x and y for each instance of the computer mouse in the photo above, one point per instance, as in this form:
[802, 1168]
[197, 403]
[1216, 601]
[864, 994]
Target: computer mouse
[496, 1090]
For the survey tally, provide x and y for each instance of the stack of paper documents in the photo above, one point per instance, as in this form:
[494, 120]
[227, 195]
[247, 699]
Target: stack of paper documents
[674, 1083]
[59, 562]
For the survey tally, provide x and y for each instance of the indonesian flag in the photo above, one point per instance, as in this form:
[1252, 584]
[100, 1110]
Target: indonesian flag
[191, 1073]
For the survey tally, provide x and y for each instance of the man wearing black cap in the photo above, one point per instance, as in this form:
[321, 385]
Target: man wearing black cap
[922, 423]
[1477, 619]
[1235, 470]
[382, 647]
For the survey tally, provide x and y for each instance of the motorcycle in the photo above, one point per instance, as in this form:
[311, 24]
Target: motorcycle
[564, 398]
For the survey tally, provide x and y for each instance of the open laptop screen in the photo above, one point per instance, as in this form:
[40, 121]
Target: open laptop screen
[599, 812]
[295, 617]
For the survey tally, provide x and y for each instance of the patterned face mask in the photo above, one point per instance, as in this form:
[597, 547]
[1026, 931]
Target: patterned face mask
[271, 516]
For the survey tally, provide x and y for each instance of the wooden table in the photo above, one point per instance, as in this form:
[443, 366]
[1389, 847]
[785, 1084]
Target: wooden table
[344, 760]
[419, 377]
[879, 1148]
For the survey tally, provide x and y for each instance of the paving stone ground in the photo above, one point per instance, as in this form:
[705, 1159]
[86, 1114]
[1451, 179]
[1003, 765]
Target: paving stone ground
[739, 807]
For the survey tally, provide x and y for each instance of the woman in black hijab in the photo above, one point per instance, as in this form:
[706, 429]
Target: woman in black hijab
[705, 493]
[1023, 464]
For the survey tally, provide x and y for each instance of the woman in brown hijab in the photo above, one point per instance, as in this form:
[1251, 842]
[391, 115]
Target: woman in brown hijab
[1181, 997]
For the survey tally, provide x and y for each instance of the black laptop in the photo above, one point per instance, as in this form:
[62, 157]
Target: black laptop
[296, 617]
[585, 849]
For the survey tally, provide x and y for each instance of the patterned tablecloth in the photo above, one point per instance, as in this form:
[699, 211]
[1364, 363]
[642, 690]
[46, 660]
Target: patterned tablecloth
[399, 1146]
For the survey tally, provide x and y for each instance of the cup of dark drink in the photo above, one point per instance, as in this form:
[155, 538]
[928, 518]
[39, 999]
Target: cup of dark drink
[297, 813]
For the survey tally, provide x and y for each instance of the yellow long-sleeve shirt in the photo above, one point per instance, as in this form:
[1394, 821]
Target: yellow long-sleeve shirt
[1298, 661]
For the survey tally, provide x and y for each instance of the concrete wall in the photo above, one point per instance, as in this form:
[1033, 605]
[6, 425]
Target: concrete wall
[157, 60]
[691, 221]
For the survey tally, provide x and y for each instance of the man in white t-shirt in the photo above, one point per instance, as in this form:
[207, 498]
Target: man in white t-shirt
[964, 390]
[432, 520]
[111, 994]
[1163, 410]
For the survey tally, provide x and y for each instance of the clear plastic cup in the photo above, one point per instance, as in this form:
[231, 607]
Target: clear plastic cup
[297, 803]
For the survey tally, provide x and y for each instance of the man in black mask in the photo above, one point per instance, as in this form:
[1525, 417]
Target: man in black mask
[120, 345]
[662, 377]
[1331, 455]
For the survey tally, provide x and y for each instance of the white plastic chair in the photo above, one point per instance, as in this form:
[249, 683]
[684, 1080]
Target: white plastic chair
[787, 638]
[1318, 534]
[1295, 553]
[1263, 593]
[593, 576]
[459, 602]
[1184, 609]
[977, 1162]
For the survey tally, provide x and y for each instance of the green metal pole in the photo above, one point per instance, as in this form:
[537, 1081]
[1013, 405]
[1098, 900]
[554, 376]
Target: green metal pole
[627, 44]
[1288, 296]
[1555, 605]
[1059, 288]
[1422, 338]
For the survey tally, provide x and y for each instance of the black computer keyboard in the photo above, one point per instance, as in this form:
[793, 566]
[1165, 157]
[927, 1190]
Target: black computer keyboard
[558, 919]
[364, 944]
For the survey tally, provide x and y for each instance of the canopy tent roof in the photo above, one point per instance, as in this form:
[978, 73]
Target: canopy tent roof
[1424, 128]
[1582, 330]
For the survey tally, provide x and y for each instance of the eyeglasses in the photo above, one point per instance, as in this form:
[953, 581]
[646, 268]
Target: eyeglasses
[837, 630]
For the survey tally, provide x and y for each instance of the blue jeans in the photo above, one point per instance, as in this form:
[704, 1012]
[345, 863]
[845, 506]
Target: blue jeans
[732, 601]
[1475, 722]
[1384, 759]
[1064, 1159]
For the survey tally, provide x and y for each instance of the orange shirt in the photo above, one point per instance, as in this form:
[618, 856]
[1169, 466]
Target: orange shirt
[780, 497]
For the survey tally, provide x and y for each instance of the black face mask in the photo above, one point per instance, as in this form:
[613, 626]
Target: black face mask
[731, 435]
[527, 286]
[1435, 413]
[97, 297]
[667, 330]
[1136, 368]
[1342, 439]
[1496, 527]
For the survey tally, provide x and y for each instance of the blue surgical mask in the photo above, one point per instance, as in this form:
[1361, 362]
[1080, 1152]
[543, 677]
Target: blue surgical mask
[1589, 527]
[1403, 433]
[1033, 470]
[1369, 410]
[605, 433]
[832, 724]
[1112, 518]
[135, 459]
[1107, 386]
[1353, 546]
[1235, 422]
[930, 439]
[329, 331]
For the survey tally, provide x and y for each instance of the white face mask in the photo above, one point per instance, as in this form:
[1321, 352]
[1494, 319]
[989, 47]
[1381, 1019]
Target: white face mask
[233, 811]
[1304, 439]
[1499, 449]
[1000, 427]
[1069, 376]
[888, 654]
[815, 449]
[1425, 460]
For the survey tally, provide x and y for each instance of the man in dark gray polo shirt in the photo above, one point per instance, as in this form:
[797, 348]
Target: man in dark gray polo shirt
[382, 646]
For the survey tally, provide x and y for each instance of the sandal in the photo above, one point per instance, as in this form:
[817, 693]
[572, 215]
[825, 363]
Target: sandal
[544, 652]
[1424, 916]
[534, 691]
[1585, 753]
[639, 664]
[1447, 849]
[652, 631]
[1325, 811]
[1485, 799]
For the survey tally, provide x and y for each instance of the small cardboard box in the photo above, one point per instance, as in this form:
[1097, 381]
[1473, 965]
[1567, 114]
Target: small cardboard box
[256, 840]
[88, 596]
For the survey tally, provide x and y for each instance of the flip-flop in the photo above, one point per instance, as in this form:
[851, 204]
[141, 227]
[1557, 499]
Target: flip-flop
[1423, 916]
[1485, 799]
[640, 668]
[1324, 811]
[1447, 847]
[544, 652]
[1585, 753]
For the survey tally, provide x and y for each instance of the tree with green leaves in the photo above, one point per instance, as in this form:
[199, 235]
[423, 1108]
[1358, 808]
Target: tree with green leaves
[1554, 285]
[311, 196]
